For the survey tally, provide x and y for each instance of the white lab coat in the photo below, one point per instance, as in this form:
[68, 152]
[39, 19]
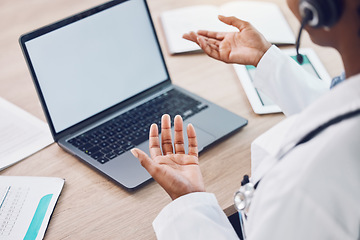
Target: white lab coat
[313, 192]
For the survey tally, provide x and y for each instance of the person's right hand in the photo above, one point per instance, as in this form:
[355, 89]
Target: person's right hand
[177, 172]
[247, 46]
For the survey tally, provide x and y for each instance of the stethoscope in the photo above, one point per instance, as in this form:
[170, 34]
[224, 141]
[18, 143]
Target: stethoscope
[244, 196]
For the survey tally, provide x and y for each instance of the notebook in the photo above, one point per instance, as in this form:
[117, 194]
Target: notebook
[102, 80]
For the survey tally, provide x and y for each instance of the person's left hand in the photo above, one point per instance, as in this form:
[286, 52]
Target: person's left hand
[245, 46]
[179, 173]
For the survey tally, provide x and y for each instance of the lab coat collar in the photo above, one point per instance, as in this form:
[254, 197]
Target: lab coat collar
[342, 99]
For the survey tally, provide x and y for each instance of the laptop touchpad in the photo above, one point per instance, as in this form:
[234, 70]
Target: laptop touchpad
[203, 138]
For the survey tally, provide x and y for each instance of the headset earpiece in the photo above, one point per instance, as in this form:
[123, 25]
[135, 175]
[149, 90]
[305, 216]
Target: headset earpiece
[317, 14]
[325, 13]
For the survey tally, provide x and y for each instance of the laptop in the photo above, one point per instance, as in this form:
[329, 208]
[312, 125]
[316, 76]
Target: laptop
[102, 81]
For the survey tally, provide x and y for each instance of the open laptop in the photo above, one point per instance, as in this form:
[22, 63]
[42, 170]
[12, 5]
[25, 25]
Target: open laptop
[102, 80]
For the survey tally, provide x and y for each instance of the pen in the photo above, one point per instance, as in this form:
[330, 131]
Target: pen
[5, 195]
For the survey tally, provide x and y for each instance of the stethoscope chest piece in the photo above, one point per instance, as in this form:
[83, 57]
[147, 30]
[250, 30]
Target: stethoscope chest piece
[243, 197]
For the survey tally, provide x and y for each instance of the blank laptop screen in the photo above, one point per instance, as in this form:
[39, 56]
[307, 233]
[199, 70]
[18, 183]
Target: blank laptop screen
[97, 62]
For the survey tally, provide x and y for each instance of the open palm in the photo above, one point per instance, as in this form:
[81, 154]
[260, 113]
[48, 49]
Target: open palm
[247, 46]
[178, 173]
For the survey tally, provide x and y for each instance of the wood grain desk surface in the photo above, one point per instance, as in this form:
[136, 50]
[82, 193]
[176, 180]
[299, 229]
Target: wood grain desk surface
[91, 206]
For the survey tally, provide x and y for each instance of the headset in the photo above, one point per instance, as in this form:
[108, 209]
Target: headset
[318, 14]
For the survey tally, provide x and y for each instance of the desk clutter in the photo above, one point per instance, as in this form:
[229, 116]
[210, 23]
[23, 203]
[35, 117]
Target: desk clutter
[26, 203]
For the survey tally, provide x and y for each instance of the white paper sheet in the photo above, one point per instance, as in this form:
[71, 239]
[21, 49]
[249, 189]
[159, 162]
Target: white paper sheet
[21, 134]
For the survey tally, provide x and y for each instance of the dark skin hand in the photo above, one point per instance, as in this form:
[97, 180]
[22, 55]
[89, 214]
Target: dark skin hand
[177, 172]
[246, 46]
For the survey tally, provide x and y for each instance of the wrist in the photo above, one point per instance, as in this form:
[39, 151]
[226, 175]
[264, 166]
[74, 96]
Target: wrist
[262, 52]
[176, 196]
[192, 189]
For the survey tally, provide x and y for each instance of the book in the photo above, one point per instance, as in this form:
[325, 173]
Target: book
[26, 205]
[22, 134]
[266, 17]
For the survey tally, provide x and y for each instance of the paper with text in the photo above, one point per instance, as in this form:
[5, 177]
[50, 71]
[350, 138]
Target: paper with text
[21, 134]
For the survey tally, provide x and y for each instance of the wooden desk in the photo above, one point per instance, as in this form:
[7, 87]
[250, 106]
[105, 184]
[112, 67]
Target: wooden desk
[91, 206]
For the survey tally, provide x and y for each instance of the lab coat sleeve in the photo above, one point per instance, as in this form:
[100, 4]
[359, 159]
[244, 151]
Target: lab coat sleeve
[283, 80]
[193, 216]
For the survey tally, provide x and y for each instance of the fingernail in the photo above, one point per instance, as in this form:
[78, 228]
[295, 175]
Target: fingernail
[134, 152]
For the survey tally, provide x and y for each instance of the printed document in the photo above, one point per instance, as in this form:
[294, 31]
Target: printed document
[21, 134]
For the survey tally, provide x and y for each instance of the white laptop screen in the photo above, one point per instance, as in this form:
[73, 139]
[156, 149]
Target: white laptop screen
[97, 62]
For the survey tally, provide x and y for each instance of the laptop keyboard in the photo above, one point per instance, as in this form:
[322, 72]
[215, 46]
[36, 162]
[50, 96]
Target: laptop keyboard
[129, 129]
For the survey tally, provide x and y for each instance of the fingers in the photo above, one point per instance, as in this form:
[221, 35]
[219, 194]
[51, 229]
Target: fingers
[145, 160]
[166, 141]
[215, 35]
[191, 36]
[212, 42]
[193, 147]
[233, 21]
[178, 135]
[154, 144]
[209, 47]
